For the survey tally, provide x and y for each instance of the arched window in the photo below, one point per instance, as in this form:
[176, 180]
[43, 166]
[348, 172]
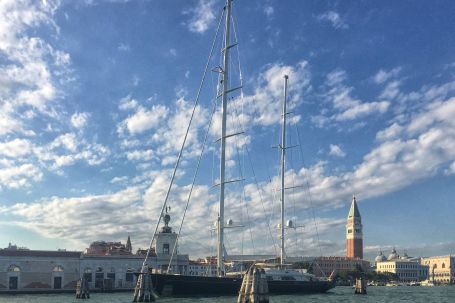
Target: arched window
[111, 274]
[57, 268]
[129, 277]
[88, 274]
[443, 265]
[14, 268]
[99, 277]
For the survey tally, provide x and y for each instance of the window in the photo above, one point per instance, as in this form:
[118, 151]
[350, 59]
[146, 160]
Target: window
[129, 276]
[88, 274]
[166, 248]
[349, 231]
[14, 268]
[57, 268]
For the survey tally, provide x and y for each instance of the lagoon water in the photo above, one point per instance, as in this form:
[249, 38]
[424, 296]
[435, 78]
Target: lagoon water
[438, 294]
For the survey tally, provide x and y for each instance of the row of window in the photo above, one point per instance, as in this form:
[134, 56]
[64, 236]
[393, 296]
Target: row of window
[15, 268]
[399, 266]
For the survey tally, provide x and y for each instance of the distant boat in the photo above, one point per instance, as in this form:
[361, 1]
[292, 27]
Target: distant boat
[426, 283]
[281, 280]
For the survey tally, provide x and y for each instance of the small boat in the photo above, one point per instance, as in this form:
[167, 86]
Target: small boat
[426, 283]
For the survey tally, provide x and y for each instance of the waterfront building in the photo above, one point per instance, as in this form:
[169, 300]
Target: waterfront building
[104, 263]
[103, 248]
[202, 267]
[324, 266]
[407, 269]
[354, 233]
[379, 258]
[441, 269]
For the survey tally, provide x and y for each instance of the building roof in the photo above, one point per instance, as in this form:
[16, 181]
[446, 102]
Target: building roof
[354, 211]
[380, 258]
[40, 253]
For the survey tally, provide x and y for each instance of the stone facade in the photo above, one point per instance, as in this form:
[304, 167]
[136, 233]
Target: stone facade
[441, 269]
[58, 271]
[407, 270]
[324, 266]
[24, 270]
[29, 270]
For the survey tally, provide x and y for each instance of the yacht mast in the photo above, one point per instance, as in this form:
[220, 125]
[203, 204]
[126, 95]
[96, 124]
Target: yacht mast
[225, 80]
[283, 159]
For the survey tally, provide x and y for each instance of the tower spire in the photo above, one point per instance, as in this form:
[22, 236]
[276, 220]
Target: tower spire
[128, 244]
[354, 233]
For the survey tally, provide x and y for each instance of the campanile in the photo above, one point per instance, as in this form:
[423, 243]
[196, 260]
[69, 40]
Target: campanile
[354, 235]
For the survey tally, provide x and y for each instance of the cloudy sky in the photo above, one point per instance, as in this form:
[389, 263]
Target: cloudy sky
[95, 98]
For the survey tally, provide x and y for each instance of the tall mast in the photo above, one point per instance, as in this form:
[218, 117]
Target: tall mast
[283, 159]
[225, 80]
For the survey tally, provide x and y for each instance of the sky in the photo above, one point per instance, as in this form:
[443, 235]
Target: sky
[96, 95]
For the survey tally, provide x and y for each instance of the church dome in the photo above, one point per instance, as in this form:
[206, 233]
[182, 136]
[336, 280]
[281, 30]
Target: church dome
[380, 258]
[393, 255]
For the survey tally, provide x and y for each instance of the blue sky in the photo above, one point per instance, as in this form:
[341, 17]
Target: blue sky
[95, 97]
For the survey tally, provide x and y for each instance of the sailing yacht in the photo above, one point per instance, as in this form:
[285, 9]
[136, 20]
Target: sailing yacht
[280, 279]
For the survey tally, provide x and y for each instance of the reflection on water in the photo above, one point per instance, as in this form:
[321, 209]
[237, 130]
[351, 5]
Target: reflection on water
[443, 294]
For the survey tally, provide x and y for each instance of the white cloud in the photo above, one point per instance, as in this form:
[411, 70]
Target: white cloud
[79, 120]
[121, 179]
[345, 107]
[334, 18]
[391, 90]
[140, 155]
[67, 141]
[54, 217]
[128, 103]
[383, 75]
[67, 149]
[144, 119]
[124, 47]
[451, 169]
[417, 149]
[335, 150]
[19, 176]
[268, 11]
[15, 148]
[169, 136]
[390, 133]
[27, 80]
[202, 16]
[265, 105]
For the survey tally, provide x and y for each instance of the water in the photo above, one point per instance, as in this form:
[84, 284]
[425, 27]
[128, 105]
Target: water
[440, 294]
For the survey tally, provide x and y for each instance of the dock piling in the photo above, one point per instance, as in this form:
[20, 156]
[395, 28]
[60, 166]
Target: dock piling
[254, 287]
[82, 289]
[361, 286]
[144, 292]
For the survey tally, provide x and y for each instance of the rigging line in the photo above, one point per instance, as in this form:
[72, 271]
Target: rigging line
[292, 196]
[192, 184]
[243, 187]
[309, 192]
[246, 147]
[184, 142]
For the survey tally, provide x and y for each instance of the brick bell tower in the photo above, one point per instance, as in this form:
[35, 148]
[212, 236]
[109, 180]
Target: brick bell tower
[354, 236]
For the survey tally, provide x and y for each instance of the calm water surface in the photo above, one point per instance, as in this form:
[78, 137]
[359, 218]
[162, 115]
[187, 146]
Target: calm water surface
[442, 294]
